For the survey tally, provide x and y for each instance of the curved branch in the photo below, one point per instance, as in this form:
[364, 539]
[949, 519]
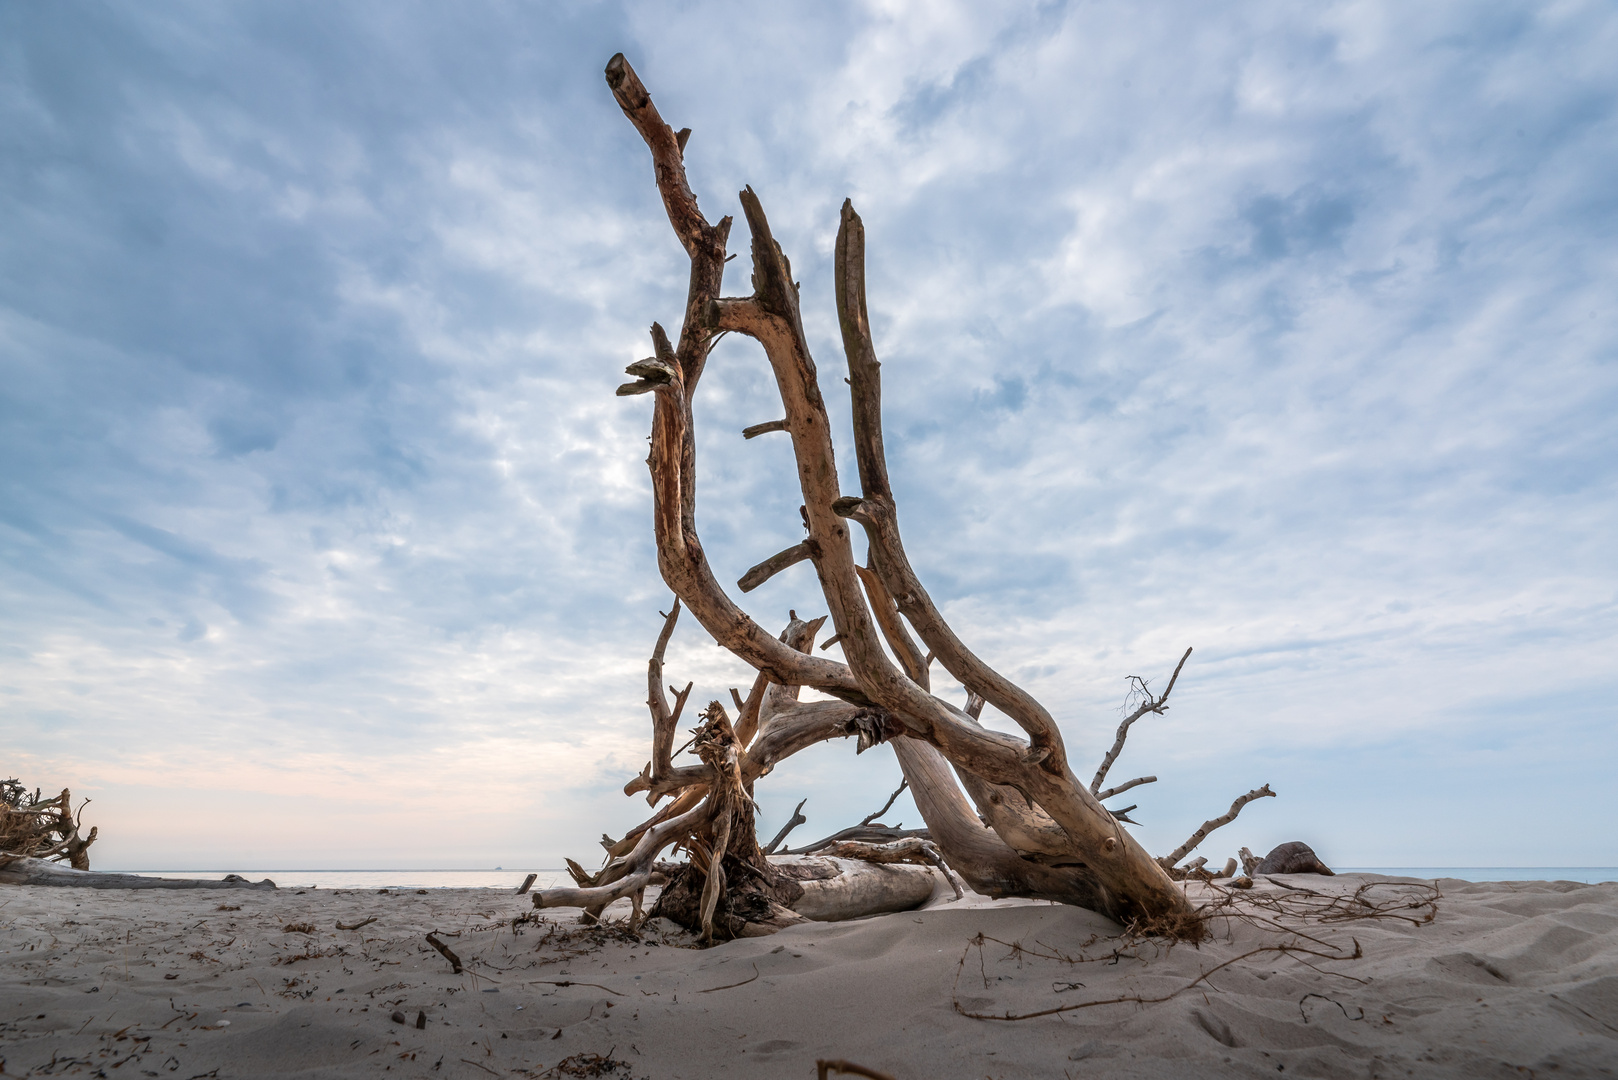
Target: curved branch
[878, 513]
[792, 823]
[672, 461]
[1152, 705]
[1214, 823]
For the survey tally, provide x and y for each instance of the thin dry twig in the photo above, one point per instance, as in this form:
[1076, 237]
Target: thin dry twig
[885, 806]
[1138, 999]
[731, 986]
[1149, 703]
[570, 982]
[1286, 913]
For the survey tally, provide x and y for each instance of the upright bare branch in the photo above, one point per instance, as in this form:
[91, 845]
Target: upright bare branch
[673, 453]
[1149, 704]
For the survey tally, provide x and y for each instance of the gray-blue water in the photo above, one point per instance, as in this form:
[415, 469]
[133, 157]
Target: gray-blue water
[382, 879]
[1590, 875]
[510, 879]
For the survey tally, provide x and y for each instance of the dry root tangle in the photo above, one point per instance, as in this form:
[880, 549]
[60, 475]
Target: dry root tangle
[43, 828]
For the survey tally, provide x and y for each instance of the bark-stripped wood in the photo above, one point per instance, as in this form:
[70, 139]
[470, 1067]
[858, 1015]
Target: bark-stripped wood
[776, 563]
[1149, 704]
[1215, 823]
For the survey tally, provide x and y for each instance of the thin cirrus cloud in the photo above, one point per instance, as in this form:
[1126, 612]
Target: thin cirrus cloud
[1282, 333]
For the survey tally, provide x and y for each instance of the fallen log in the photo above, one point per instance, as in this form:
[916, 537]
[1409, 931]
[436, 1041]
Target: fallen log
[853, 888]
[23, 870]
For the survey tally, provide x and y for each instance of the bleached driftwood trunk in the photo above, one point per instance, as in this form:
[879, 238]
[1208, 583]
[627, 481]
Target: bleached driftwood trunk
[1031, 828]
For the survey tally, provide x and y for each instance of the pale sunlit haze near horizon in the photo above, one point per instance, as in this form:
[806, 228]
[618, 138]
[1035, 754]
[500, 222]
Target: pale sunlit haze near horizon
[1284, 332]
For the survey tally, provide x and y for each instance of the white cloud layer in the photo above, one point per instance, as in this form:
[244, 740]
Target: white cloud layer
[1284, 332]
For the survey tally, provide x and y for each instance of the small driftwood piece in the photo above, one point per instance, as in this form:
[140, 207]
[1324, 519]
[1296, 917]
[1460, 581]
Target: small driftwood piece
[837, 889]
[528, 883]
[445, 951]
[356, 925]
[22, 870]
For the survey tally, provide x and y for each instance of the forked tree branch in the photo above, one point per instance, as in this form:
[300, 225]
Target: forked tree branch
[672, 462]
[631, 872]
[1150, 704]
[796, 820]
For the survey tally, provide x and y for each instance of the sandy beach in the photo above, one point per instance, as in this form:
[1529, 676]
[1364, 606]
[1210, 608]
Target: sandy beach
[1509, 979]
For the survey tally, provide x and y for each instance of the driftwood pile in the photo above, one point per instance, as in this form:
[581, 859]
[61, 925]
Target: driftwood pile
[1006, 813]
[38, 835]
[41, 828]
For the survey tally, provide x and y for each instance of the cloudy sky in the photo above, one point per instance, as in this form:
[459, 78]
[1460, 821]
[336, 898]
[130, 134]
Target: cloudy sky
[1282, 331]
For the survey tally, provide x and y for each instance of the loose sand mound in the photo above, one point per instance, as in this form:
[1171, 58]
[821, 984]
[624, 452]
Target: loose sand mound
[1509, 980]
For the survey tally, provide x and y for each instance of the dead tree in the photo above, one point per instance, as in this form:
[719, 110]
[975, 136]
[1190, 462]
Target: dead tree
[1031, 827]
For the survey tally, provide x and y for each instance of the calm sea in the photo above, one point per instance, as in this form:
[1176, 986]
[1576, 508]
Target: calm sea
[511, 879]
[1590, 875]
[382, 879]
